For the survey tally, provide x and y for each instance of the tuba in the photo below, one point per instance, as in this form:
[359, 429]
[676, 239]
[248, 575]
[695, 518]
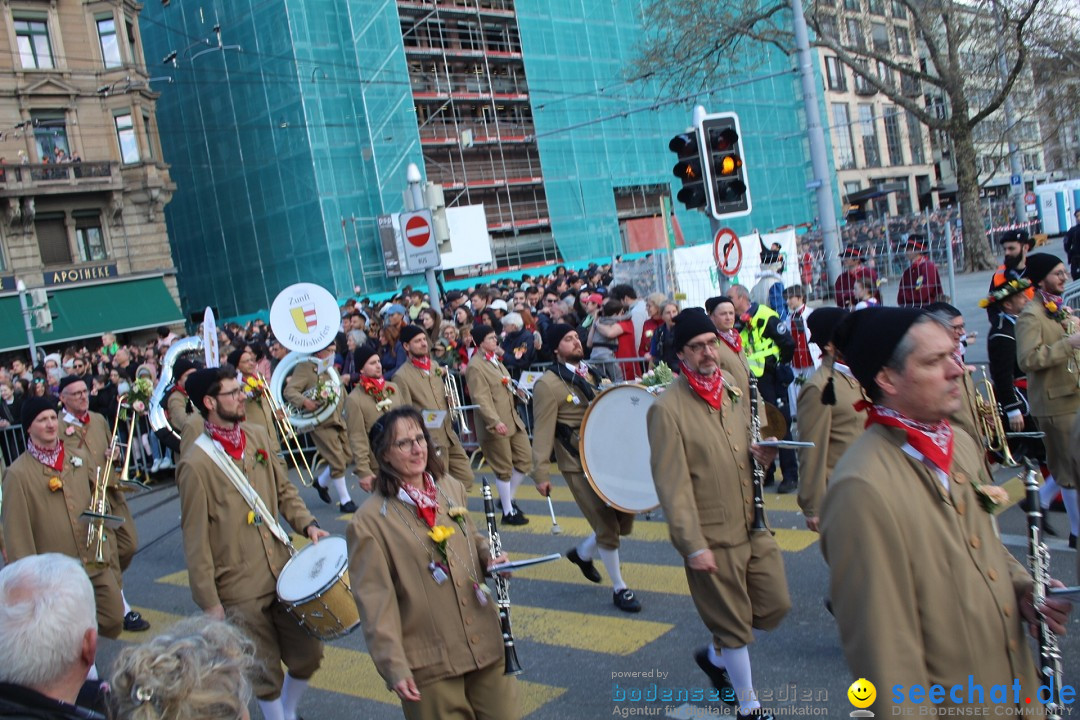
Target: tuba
[159, 422]
[301, 420]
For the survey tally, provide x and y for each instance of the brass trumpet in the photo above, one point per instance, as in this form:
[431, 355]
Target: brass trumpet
[991, 429]
[288, 435]
[523, 393]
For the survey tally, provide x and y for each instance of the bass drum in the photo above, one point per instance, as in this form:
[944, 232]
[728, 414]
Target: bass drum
[614, 448]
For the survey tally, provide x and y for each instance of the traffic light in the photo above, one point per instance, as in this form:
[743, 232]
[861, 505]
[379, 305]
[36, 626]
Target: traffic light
[689, 170]
[725, 174]
[39, 310]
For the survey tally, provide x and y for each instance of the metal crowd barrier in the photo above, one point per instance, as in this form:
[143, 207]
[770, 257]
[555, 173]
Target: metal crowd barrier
[12, 444]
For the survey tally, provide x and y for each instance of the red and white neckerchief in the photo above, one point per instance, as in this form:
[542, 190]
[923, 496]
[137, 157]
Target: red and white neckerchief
[709, 388]
[426, 504]
[935, 442]
[49, 458]
[372, 385]
[232, 440]
[180, 390]
[421, 363]
[83, 421]
[581, 369]
[732, 338]
[491, 358]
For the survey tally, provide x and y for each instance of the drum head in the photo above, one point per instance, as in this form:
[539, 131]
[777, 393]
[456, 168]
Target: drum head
[614, 448]
[312, 569]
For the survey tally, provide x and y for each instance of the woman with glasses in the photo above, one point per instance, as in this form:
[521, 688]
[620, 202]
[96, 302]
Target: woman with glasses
[417, 565]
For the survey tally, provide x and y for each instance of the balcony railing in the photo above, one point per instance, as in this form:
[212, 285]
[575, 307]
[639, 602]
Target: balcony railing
[55, 178]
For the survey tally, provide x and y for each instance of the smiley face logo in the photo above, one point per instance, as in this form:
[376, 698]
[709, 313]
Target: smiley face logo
[862, 693]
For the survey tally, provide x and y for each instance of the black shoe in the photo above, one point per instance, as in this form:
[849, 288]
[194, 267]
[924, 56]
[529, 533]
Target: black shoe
[514, 506]
[324, 493]
[624, 600]
[515, 518]
[1048, 529]
[588, 568]
[787, 486]
[349, 507]
[133, 622]
[767, 482]
[1072, 541]
[718, 676]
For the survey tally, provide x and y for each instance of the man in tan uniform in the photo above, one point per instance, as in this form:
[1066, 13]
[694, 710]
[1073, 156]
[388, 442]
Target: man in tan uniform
[330, 436]
[704, 474]
[420, 384]
[560, 399]
[45, 491]
[499, 427]
[924, 591]
[183, 418]
[1048, 350]
[257, 406]
[827, 414]
[967, 417]
[721, 311]
[372, 397]
[234, 554]
[87, 433]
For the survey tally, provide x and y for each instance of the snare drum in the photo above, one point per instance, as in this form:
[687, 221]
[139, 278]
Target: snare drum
[315, 591]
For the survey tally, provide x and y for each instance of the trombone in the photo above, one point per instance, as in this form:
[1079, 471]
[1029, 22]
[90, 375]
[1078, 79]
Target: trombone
[990, 427]
[453, 401]
[288, 435]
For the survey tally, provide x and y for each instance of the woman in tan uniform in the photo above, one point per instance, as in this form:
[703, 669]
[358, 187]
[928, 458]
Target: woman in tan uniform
[416, 566]
[367, 402]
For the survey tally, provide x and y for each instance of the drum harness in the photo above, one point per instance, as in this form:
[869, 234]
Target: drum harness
[565, 434]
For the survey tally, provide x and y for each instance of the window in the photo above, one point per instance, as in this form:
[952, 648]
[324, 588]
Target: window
[898, 10]
[32, 35]
[876, 7]
[879, 34]
[845, 155]
[892, 136]
[862, 85]
[915, 141]
[903, 46]
[852, 5]
[855, 33]
[871, 151]
[50, 133]
[130, 26]
[110, 48]
[827, 26]
[88, 236]
[52, 239]
[885, 73]
[834, 73]
[150, 142]
[125, 134]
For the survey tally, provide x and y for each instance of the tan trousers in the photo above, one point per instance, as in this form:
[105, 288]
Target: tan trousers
[505, 454]
[1062, 456]
[607, 522]
[278, 639]
[332, 442]
[484, 694]
[127, 538]
[456, 461]
[110, 606]
[748, 590]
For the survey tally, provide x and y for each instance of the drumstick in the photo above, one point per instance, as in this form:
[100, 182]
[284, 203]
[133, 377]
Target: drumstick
[555, 529]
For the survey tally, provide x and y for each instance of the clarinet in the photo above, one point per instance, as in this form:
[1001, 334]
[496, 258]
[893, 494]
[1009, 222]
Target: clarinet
[1039, 563]
[502, 585]
[759, 472]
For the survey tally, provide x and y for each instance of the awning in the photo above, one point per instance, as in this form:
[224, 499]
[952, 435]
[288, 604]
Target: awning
[89, 310]
[861, 196]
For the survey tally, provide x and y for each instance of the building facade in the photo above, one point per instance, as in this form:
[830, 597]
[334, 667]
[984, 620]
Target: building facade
[291, 123]
[83, 185]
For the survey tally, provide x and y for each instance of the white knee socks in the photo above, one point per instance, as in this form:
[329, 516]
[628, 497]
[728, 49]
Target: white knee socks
[1048, 491]
[342, 490]
[610, 558]
[291, 692]
[737, 662]
[506, 496]
[1072, 509]
[127, 608]
[587, 547]
[324, 476]
[271, 709]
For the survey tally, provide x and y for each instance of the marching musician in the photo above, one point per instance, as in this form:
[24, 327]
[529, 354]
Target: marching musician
[369, 400]
[45, 491]
[730, 356]
[560, 399]
[500, 429]
[827, 414]
[967, 417]
[257, 406]
[421, 385]
[924, 592]
[1006, 301]
[181, 414]
[416, 569]
[331, 436]
[87, 433]
[701, 464]
[231, 494]
[1015, 246]
[1047, 344]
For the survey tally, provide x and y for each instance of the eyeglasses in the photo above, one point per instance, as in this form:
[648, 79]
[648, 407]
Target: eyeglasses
[407, 444]
[550, 301]
[76, 393]
[699, 346]
[231, 393]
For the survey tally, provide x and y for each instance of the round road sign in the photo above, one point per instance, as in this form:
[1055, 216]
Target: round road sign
[1029, 198]
[418, 231]
[727, 252]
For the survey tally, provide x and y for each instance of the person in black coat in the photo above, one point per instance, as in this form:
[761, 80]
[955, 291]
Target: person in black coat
[518, 348]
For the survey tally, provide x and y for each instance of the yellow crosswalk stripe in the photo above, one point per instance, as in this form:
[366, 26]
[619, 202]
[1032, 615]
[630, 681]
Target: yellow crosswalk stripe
[583, 631]
[642, 577]
[350, 672]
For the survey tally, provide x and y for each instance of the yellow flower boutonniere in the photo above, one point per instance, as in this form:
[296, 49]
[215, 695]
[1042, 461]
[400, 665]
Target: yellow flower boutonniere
[55, 484]
[440, 534]
[457, 514]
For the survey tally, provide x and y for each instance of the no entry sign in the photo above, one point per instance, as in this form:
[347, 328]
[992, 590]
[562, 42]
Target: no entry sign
[421, 250]
[418, 231]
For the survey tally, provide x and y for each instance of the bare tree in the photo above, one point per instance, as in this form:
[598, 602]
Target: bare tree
[961, 43]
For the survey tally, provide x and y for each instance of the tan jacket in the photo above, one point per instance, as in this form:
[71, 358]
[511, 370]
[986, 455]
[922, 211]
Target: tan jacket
[179, 410]
[303, 378]
[258, 412]
[426, 392]
[1052, 366]
[832, 429]
[360, 415]
[702, 469]
[413, 626]
[496, 401]
[549, 407]
[229, 560]
[922, 588]
[737, 369]
[966, 418]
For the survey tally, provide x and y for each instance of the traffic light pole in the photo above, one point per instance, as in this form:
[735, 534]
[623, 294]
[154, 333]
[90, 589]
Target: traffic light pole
[412, 175]
[21, 287]
[822, 183]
